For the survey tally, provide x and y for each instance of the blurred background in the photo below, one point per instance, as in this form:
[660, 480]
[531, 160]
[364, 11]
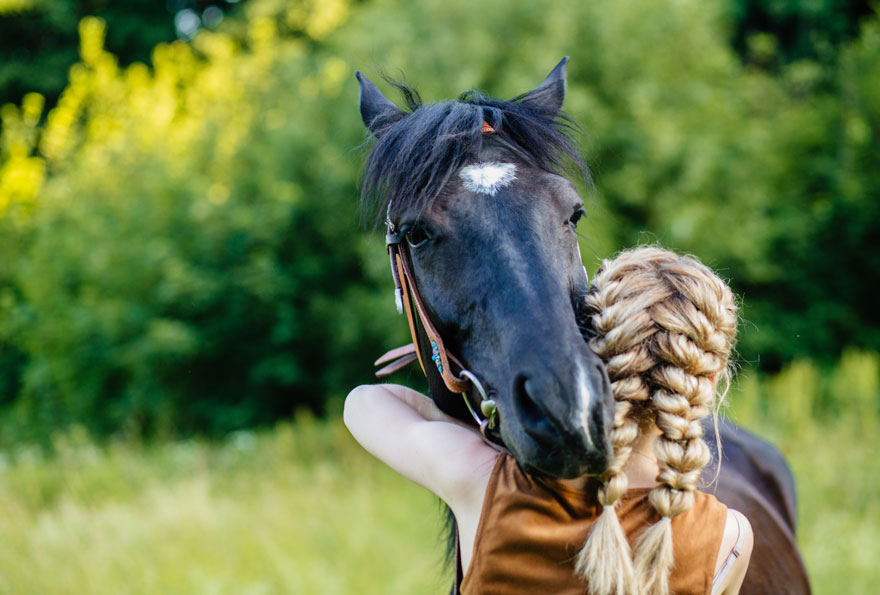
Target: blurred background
[187, 290]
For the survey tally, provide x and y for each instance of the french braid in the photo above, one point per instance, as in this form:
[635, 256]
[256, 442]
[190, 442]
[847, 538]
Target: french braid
[606, 560]
[665, 326]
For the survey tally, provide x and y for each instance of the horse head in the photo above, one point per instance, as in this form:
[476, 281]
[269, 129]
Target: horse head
[477, 200]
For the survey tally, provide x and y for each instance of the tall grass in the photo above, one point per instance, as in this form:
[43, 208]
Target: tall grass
[827, 424]
[302, 509]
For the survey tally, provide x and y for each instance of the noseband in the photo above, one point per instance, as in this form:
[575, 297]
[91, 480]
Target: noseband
[456, 377]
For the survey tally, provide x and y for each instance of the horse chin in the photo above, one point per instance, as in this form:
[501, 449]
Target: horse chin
[565, 469]
[544, 460]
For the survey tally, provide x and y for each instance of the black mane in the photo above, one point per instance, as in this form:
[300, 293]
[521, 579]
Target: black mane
[416, 155]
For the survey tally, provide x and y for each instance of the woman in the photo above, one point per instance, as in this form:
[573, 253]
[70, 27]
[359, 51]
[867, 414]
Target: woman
[665, 325]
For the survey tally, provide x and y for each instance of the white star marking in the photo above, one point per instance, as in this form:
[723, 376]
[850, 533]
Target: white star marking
[487, 178]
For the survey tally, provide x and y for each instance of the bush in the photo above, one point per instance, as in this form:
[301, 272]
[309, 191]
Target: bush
[193, 263]
[187, 253]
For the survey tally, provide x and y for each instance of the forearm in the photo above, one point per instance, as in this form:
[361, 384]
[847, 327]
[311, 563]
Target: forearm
[376, 397]
[422, 404]
[411, 435]
[373, 407]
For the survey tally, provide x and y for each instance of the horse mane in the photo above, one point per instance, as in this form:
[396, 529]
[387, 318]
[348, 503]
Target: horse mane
[415, 156]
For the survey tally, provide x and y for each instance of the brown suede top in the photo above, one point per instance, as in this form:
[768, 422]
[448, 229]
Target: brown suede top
[531, 530]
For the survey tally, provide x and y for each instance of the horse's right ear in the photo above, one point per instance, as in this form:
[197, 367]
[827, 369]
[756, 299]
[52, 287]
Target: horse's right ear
[550, 94]
[376, 111]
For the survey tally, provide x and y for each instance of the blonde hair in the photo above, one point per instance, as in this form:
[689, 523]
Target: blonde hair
[665, 325]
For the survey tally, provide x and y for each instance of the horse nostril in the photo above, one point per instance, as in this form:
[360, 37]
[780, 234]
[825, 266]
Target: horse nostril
[525, 397]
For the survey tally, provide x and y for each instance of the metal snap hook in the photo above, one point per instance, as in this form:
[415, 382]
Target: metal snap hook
[488, 408]
[487, 405]
[468, 375]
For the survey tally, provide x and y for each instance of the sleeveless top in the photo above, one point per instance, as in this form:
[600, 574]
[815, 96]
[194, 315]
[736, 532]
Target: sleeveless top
[531, 530]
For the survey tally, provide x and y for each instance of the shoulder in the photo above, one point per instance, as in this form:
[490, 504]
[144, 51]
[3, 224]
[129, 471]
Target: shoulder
[406, 431]
[735, 529]
[734, 553]
[738, 537]
[739, 531]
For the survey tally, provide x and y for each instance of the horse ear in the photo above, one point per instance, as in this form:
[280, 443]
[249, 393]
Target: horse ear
[550, 94]
[376, 111]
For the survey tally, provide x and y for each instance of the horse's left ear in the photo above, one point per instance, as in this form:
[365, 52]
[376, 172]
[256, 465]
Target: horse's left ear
[376, 111]
[550, 94]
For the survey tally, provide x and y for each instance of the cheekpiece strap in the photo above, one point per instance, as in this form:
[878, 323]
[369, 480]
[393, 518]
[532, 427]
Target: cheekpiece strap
[409, 302]
[439, 355]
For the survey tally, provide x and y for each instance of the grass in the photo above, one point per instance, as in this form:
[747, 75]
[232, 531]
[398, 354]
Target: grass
[302, 509]
[827, 425]
[838, 477]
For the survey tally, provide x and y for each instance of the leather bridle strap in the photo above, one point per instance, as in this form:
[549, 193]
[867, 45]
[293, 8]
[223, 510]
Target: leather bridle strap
[439, 356]
[396, 359]
[405, 304]
[455, 376]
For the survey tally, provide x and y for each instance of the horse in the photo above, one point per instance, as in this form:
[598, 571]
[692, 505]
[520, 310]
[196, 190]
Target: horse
[480, 214]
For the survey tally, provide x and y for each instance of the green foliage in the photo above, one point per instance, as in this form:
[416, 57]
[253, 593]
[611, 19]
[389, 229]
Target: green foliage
[746, 169]
[38, 38]
[194, 266]
[797, 28]
[187, 253]
[849, 392]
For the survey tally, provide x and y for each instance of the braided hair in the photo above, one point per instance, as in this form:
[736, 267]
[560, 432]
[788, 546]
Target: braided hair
[665, 325]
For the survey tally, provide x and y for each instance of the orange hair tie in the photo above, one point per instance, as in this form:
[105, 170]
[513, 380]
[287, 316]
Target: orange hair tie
[487, 128]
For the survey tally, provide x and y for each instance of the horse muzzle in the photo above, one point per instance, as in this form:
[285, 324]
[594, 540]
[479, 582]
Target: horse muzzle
[559, 428]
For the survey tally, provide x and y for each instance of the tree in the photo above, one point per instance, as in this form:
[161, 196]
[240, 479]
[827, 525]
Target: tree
[38, 38]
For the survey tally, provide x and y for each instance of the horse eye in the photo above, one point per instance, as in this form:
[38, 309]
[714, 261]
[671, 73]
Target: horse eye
[576, 217]
[417, 236]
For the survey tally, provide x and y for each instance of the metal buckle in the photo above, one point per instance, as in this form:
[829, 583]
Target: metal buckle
[393, 238]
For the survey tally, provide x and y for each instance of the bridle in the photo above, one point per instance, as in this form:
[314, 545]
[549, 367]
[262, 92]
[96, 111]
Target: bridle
[408, 301]
[456, 377]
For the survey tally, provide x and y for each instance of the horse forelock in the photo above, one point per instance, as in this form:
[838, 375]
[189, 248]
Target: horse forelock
[414, 158]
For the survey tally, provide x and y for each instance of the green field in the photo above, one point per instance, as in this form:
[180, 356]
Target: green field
[302, 509]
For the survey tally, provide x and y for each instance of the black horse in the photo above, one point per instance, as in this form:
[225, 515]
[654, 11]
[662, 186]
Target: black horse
[481, 219]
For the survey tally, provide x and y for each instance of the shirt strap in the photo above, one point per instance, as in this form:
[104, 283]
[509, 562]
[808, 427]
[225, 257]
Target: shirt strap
[735, 552]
